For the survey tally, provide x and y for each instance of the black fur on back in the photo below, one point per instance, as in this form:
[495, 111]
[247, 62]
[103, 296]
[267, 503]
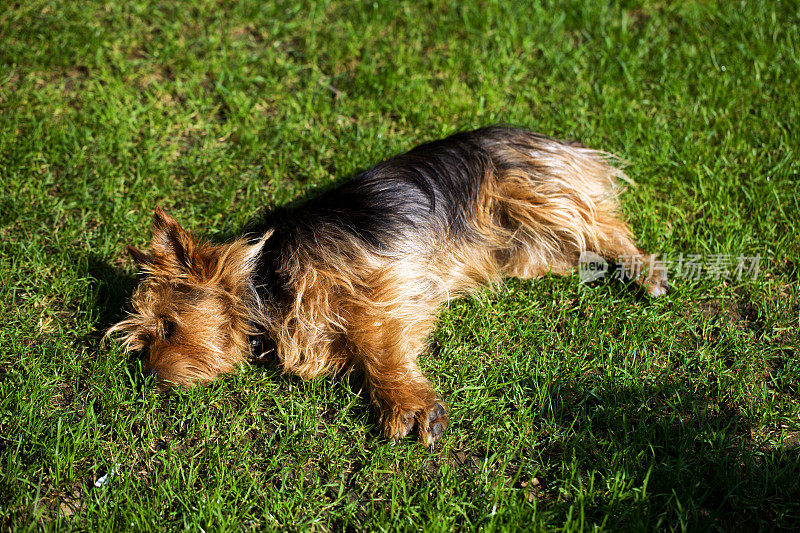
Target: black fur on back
[421, 198]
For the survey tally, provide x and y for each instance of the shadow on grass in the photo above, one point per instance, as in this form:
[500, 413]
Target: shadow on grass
[704, 465]
[113, 287]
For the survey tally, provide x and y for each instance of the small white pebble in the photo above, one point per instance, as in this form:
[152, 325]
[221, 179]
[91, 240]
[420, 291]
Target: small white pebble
[105, 479]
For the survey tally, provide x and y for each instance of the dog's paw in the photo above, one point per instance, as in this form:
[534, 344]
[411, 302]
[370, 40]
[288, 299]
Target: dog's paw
[657, 284]
[431, 423]
[401, 426]
[658, 289]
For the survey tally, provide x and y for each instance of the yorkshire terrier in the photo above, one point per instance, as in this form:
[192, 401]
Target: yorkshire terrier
[355, 277]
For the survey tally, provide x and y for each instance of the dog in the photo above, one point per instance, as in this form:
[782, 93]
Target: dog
[353, 279]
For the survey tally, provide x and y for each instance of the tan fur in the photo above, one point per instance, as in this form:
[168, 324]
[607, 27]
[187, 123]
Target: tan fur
[192, 312]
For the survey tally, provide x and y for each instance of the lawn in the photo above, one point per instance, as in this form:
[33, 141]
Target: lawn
[573, 406]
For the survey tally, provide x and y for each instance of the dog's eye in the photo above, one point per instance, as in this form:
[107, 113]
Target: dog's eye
[168, 328]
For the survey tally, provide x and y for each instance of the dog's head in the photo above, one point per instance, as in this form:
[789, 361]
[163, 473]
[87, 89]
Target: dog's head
[190, 316]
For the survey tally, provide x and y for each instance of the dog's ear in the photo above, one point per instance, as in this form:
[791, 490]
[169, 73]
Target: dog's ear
[171, 244]
[231, 264]
[139, 257]
[253, 249]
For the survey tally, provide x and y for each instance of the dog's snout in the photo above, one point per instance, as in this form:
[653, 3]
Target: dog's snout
[153, 374]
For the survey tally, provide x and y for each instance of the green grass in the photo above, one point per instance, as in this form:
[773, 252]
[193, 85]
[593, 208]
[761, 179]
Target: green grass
[573, 406]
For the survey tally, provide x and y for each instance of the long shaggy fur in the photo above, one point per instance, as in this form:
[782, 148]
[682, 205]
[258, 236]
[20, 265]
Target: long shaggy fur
[354, 278]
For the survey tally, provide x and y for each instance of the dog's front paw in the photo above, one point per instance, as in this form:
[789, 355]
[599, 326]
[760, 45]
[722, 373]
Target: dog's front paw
[400, 426]
[431, 423]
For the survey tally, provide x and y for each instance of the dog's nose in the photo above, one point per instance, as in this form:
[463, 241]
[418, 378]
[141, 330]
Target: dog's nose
[153, 374]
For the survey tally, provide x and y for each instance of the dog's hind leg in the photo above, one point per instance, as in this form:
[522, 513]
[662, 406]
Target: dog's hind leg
[554, 202]
[593, 228]
[614, 242]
